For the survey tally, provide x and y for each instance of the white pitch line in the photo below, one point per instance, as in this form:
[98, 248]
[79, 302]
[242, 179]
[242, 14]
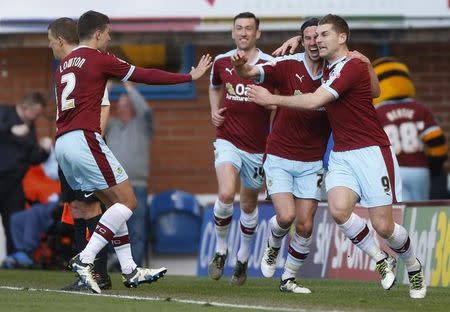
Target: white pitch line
[198, 302]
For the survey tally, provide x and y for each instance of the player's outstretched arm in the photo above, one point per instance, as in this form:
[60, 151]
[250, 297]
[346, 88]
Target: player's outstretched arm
[203, 65]
[290, 44]
[242, 68]
[161, 77]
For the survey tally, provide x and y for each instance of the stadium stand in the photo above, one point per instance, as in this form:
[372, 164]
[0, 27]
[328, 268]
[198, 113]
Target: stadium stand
[176, 219]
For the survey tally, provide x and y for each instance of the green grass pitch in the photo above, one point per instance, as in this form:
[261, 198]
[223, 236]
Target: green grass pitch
[34, 290]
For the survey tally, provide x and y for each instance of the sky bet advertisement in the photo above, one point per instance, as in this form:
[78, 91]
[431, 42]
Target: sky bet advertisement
[332, 255]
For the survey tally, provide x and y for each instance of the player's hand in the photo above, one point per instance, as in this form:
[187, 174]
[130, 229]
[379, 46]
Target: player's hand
[218, 117]
[259, 95]
[358, 55]
[46, 143]
[290, 44]
[203, 65]
[20, 130]
[239, 59]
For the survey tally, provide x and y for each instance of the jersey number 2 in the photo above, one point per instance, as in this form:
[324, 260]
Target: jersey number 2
[70, 81]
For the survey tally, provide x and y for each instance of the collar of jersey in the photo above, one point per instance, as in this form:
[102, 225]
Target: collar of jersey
[81, 46]
[337, 61]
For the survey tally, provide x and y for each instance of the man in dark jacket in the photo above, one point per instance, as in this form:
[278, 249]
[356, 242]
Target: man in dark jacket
[19, 148]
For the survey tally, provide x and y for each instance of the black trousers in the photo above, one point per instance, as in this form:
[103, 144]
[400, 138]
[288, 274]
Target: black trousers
[12, 199]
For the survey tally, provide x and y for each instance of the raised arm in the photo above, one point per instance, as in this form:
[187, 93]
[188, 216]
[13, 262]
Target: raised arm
[160, 77]
[290, 44]
[242, 68]
[138, 101]
[203, 65]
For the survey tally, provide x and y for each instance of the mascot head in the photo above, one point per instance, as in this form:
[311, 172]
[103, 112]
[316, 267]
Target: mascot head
[395, 82]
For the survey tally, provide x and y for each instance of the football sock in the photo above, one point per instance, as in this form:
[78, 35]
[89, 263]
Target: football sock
[401, 244]
[298, 251]
[249, 222]
[356, 229]
[79, 227]
[122, 247]
[101, 261]
[109, 224]
[276, 233]
[223, 214]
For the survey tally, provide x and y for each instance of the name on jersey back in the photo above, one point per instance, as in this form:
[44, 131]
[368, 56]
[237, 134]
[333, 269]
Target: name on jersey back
[72, 62]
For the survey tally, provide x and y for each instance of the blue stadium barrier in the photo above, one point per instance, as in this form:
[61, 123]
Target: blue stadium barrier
[176, 221]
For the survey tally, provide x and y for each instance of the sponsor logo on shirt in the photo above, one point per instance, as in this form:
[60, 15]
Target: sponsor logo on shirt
[236, 93]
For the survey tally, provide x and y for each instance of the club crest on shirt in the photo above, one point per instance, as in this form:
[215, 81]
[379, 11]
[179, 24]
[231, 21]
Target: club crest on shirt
[269, 182]
[297, 92]
[335, 75]
[119, 170]
[230, 88]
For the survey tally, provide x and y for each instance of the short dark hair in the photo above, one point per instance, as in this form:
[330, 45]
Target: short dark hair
[338, 23]
[65, 28]
[247, 15]
[90, 22]
[33, 98]
[314, 21]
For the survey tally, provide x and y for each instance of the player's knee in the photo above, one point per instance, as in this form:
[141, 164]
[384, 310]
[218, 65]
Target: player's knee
[248, 206]
[340, 212]
[384, 229]
[226, 196]
[285, 219]
[339, 218]
[304, 228]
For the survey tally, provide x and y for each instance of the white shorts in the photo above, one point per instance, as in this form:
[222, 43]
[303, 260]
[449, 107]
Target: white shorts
[87, 162]
[416, 183]
[249, 165]
[302, 179]
[371, 172]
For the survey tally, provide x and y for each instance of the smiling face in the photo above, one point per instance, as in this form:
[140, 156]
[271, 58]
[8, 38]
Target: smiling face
[330, 42]
[309, 43]
[245, 33]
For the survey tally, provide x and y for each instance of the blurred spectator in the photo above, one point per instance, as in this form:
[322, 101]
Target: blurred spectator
[133, 123]
[41, 189]
[417, 139]
[19, 149]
